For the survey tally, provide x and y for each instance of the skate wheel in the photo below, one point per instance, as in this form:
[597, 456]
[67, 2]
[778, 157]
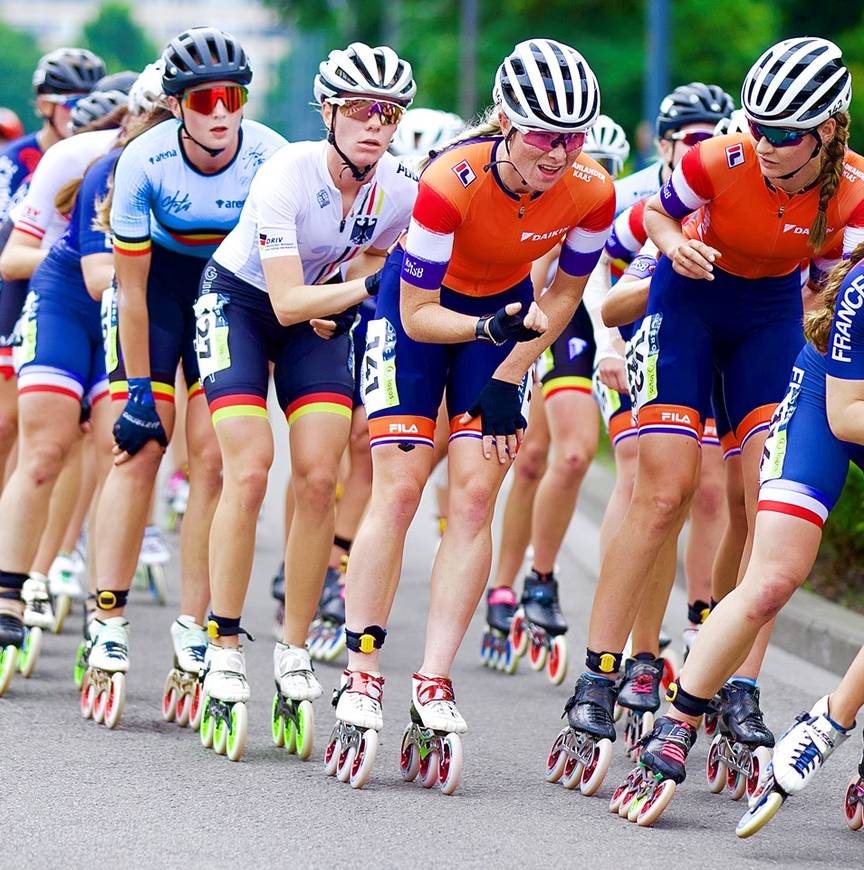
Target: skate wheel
[208, 725]
[624, 791]
[196, 708]
[519, 634]
[157, 584]
[509, 660]
[220, 735]
[759, 815]
[715, 767]
[736, 784]
[409, 757]
[556, 663]
[331, 756]
[710, 724]
[537, 655]
[361, 765]
[88, 697]
[336, 647]
[557, 758]
[346, 760]
[595, 771]
[761, 761]
[169, 700]
[485, 649]
[30, 652]
[99, 707]
[277, 723]
[62, 606]
[80, 664]
[304, 733]
[429, 770]
[656, 802]
[237, 731]
[450, 764]
[572, 773]
[617, 712]
[631, 793]
[853, 804]
[115, 698]
[184, 703]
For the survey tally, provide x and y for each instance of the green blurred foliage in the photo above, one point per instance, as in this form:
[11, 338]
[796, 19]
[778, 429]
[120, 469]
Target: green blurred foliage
[17, 62]
[115, 36]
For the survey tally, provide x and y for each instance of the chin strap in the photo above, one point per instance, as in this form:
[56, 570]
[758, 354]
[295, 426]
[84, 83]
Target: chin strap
[359, 174]
[492, 163]
[816, 150]
[213, 152]
[50, 120]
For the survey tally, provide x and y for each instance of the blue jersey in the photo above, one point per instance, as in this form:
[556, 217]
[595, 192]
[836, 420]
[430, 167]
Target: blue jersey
[17, 162]
[845, 357]
[159, 196]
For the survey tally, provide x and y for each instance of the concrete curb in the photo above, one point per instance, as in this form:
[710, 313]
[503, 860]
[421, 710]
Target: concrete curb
[810, 626]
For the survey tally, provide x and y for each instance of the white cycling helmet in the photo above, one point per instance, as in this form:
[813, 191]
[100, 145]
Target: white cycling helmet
[607, 141]
[546, 85]
[798, 83]
[735, 123]
[146, 93]
[423, 130]
[360, 69]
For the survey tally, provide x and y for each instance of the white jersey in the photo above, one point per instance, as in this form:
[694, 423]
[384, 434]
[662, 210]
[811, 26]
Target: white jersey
[638, 186]
[36, 214]
[294, 208]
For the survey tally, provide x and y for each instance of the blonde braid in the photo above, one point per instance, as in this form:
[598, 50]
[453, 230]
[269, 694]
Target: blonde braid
[817, 324]
[829, 178]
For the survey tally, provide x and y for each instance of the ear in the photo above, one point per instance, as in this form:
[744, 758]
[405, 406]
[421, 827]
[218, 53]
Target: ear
[174, 106]
[326, 113]
[826, 130]
[504, 122]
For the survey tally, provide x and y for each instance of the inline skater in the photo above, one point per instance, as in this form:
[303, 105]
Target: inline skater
[178, 189]
[792, 171]
[452, 304]
[311, 243]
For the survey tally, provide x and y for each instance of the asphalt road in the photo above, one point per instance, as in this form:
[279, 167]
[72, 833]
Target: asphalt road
[73, 794]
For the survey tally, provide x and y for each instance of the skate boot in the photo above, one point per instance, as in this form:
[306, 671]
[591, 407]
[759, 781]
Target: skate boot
[353, 742]
[326, 639]
[496, 651]
[64, 586]
[800, 753]
[152, 560]
[38, 611]
[293, 720]
[538, 627]
[646, 792]
[103, 688]
[13, 636]
[181, 698]
[224, 721]
[431, 746]
[277, 589]
[740, 753]
[639, 696]
[88, 631]
[582, 752]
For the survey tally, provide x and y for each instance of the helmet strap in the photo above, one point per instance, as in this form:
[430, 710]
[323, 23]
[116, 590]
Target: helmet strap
[213, 152]
[357, 173]
[816, 150]
[492, 163]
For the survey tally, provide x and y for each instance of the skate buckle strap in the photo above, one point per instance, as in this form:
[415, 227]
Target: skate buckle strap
[225, 626]
[367, 641]
[698, 611]
[110, 599]
[11, 595]
[434, 689]
[684, 702]
[502, 595]
[603, 662]
[363, 683]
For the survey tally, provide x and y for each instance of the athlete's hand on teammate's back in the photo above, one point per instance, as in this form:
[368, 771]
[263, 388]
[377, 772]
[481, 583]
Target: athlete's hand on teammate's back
[499, 407]
[694, 259]
[506, 324]
[612, 372]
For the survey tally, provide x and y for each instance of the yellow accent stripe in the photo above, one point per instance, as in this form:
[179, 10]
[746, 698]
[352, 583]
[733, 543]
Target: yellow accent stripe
[238, 411]
[132, 246]
[379, 204]
[320, 408]
[571, 382]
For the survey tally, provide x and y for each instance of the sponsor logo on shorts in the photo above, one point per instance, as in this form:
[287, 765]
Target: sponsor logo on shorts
[464, 173]
[675, 417]
[735, 154]
[576, 346]
[403, 429]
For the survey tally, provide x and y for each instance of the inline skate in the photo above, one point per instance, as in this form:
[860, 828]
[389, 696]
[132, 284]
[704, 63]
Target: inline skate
[740, 753]
[182, 694]
[353, 742]
[799, 755]
[176, 498]
[88, 631]
[538, 627]
[64, 585]
[582, 752]
[293, 720]
[103, 687]
[277, 590]
[853, 800]
[326, 640]
[38, 616]
[224, 719]
[639, 698]
[649, 787]
[13, 636]
[154, 556]
[431, 746]
[496, 651]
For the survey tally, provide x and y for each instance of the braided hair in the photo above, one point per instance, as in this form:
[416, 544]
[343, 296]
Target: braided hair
[829, 178]
[817, 324]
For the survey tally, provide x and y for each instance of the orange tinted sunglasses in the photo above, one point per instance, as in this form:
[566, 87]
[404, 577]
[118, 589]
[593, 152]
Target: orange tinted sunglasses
[204, 101]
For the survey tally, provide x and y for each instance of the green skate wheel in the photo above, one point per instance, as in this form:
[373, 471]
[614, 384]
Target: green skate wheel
[237, 731]
[277, 723]
[30, 651]
[208, 725]
[8, 661]
[305, 730]
[220, 735]
[80, 663]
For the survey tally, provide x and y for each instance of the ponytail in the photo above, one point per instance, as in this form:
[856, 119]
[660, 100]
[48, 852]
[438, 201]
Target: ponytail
[817, 324]
[829, 178]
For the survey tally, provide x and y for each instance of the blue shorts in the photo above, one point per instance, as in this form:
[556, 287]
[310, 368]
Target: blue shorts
[804, 465]
[365, 313]
[749, 331]
[239, 336]
[62, 350]
[567, 364]
[172, 288]
[404, 380]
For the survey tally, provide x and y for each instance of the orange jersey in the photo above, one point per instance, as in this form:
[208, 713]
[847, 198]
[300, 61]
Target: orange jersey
[471, 234]
[760, 230]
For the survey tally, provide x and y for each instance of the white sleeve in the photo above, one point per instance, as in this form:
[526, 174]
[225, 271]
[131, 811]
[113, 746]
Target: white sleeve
[277, 202]
[596, 290]
[34, 213]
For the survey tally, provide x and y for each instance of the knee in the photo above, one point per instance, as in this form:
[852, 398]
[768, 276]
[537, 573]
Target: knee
[571, 463]
[205, 466]
[531, 463]
[8, 427]
[710, 498]
[767, 597]
[315, 489]
[249, 486]
[661, 510]
[42, 461]
[471, 507]
[396, 502]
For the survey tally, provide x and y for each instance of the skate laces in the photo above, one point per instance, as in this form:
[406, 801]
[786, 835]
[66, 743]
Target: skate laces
[502, 595]
[644, 678]
[807, 756]
[434, 689]
[365, 685]
[677, 742]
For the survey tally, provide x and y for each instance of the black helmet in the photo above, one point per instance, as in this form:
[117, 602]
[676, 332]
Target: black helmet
[95, 106]
[690, 104]
[121, 81]
[203, 54]
[68, 71]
